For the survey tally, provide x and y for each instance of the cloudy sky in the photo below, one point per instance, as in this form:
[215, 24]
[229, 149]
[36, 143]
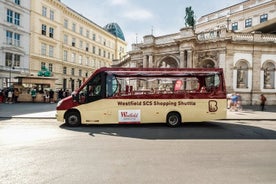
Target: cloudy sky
[138, 18]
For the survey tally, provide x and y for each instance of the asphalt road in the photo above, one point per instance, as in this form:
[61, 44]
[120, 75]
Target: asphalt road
[45, 151]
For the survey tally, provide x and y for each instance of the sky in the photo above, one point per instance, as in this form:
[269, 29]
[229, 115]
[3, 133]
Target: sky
[138, 18]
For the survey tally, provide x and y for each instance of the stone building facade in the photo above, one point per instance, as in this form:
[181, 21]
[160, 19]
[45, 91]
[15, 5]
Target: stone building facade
[247, 54]
[15, 39]
[68, 44]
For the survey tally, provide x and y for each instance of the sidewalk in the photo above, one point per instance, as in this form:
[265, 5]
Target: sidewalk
[48, 111]
[28, 110]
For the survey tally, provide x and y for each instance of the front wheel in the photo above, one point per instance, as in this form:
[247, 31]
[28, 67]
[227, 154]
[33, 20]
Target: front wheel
[173, 119]
[73, 119]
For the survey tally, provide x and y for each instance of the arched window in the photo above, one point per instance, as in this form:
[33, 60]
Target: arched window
[242, 74]
[168, 62]
[208, 64]
[268, 75]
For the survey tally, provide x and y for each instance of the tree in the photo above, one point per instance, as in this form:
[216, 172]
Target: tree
[189, 17]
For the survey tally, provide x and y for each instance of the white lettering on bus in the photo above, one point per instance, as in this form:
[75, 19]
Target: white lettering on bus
[156, 103]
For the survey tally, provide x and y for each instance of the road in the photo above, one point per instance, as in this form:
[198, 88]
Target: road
[45, 151]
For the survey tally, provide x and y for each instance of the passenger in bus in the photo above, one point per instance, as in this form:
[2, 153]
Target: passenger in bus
[203, 89]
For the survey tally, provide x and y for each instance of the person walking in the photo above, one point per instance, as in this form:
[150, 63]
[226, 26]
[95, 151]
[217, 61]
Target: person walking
[51, 94]
[263, 100]
[10, 95]
[16, 95]
[33, 94]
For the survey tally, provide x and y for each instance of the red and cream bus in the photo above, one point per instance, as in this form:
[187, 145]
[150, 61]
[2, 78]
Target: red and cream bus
[146, 95]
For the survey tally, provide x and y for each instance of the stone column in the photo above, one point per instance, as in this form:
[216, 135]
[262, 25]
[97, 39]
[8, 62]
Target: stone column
[145, 61]
[182, 57]
[189, 59]
[150, 61]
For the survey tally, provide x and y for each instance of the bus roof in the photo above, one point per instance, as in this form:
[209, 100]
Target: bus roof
[161, 72]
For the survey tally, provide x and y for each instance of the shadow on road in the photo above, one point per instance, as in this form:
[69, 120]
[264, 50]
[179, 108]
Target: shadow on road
[205, 130]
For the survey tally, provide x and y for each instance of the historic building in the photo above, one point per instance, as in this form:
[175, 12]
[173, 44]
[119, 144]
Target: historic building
[14, 36]
[240, 39]
[69, 45]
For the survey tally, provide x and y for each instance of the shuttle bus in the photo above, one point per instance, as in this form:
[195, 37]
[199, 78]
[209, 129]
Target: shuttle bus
[146, 95]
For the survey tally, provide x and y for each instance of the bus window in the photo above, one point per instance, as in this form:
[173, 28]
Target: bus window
[112, 86]
[212, 82]
[94, 89]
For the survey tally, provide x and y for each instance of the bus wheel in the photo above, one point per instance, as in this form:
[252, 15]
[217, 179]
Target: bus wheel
[73, 119]
[173, 119]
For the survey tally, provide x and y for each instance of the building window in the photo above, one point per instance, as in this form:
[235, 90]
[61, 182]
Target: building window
[17, 39]
[242, 74]
[17, 2]
[81, 44]
[263, 18]
[65, 23]
[73, 57]
[94, 37]
[51, 51]
[94, 50]
[100, 52]
[80, 73]
[65, 55]
[269, 75]
[51, 32]
[72, 71]
[43, 65]
[16, 18]
[87, 47]
[248, 22]
[44, 11]
[235, 26]
[65, 39]
[17, 60]
[64, 70]
[87, 60]
[87, 34]
[81, 30]
[73, 42]
[8, 59]
[80, 59]
[9, 37]
[43, 29]
[43, 49]
[74, 27]
[50, 67]
[52, 15]
[9, 16]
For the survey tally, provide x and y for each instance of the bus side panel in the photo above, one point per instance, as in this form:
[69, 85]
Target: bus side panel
[151, 110]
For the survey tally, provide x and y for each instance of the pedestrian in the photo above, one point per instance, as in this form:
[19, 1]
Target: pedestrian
[33, 94]
[46, 96]
[263, 100]
[51, 94]
[234, 100]
[239, 102]
[10, 95]
[16, 95]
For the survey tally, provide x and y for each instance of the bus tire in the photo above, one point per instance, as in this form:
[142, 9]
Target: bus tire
[73, 119]
[173, 119]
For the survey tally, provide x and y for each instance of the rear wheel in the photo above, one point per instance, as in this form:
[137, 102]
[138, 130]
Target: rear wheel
[73, 119]
[173, 119]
